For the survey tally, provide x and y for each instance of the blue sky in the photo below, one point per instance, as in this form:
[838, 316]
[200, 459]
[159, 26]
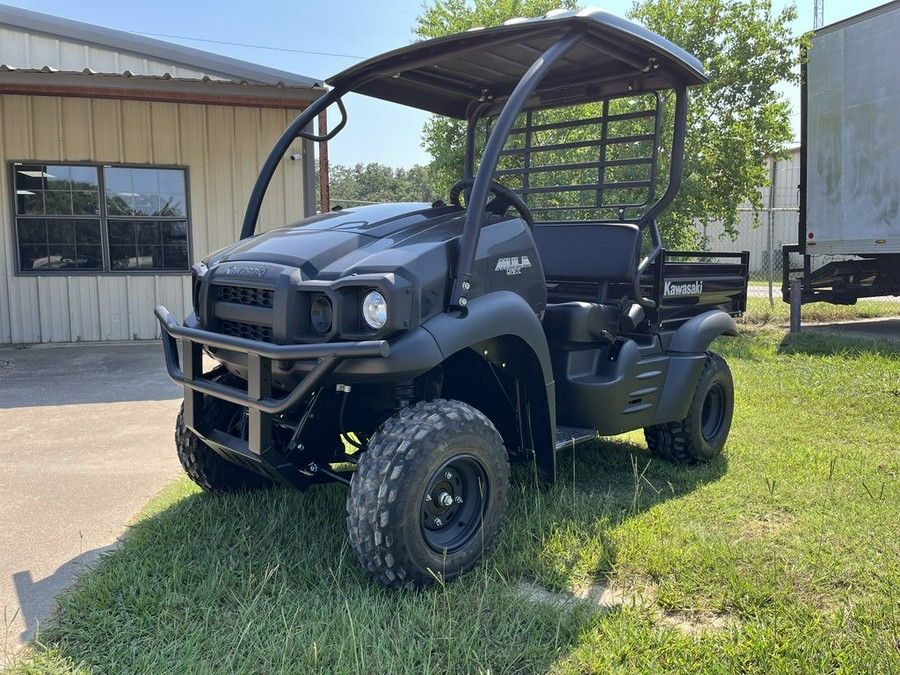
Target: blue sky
[376, 131]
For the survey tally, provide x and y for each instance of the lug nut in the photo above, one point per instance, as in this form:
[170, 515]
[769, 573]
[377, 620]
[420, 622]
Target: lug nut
[427, 498]
[448, 475]
[438, 522]
[458, 499]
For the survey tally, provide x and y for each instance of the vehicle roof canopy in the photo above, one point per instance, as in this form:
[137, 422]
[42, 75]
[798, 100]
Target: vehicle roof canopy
[448, 75]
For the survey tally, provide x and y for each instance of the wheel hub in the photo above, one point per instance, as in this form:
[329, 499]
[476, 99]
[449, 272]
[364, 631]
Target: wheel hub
[453, 504]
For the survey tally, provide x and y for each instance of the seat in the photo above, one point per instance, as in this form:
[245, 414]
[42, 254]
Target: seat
[600, 253]
[581, 321]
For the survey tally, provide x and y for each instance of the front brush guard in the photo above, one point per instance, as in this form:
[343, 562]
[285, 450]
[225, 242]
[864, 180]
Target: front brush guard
[258, 398]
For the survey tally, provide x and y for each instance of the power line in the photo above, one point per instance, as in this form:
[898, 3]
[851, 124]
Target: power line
[242, 44]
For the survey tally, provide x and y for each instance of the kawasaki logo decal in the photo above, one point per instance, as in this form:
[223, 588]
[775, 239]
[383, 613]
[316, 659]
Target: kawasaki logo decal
[249, 272]
[688, 288]
[513, 265]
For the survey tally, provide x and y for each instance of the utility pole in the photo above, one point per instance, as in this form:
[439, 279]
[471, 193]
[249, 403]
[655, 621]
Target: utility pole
[818, 13]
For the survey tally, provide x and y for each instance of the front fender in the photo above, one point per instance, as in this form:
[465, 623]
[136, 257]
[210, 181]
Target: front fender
[497, 315]
[490, 316]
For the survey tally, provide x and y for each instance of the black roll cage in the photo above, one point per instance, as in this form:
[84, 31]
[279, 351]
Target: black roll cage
[510, 108]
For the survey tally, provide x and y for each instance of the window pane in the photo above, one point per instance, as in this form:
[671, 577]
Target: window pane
[84, 178]
[59, 244]
[145, 181]
[148, 244]
[29, 177]
[121, 233]
[89, 258]
[58, 178]
[32, 257]
[85, 204]
[119, 257]
[144, 204]
[119, 192]
[29, 203]
[117, 179]
[171, 181]
[58, 203]
[61, 232]
[171, 206]
[148, 233]
[32, 231]
[87, 233]
[145, 192]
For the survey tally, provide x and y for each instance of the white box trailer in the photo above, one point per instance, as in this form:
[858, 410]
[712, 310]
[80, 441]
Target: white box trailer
[850, 161]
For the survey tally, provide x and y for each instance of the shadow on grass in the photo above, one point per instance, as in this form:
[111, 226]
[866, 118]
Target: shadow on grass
[267, 582]
[823, 342]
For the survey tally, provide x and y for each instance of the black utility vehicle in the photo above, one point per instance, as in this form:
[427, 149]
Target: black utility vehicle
[412, 351]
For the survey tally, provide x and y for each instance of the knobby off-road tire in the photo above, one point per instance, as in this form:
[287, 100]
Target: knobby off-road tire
[428, 495]
[701, 435]
[205, 466]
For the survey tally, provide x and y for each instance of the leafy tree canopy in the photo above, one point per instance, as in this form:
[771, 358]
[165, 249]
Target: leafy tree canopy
[374, 183]
[734, 123]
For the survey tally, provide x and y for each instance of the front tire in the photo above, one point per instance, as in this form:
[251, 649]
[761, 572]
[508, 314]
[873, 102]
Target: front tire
[205, 466]
[428, 495]
[701, 435]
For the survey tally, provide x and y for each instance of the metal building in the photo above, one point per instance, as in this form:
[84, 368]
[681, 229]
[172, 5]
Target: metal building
[122, 160]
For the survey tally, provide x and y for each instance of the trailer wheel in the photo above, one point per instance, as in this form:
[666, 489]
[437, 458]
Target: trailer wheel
[701, 435]
[205, 466]
[428, 495]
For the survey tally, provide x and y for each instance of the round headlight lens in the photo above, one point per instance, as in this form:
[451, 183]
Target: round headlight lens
[374, 310]
[321, 314]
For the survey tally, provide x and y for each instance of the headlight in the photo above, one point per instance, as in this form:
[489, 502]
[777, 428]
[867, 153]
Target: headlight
[374, 310]
[321, 314]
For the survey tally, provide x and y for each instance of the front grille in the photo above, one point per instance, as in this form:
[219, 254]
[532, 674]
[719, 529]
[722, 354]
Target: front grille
[258, 297]
[249, 331]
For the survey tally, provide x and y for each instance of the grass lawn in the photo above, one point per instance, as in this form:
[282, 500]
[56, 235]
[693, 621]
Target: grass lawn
[780, 556]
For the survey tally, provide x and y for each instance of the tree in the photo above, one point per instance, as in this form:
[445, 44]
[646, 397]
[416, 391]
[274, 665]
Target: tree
[376, 183]
[738, 119]
[444, 138]
[735, 122]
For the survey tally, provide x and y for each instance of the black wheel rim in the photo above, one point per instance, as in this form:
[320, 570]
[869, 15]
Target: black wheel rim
[454, 504]
[713, 414]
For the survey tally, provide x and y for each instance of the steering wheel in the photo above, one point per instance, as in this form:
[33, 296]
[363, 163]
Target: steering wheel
[503, 199]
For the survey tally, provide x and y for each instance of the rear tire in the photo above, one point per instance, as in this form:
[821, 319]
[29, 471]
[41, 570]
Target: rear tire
[205, 466]
[428, 495]
[701, 435]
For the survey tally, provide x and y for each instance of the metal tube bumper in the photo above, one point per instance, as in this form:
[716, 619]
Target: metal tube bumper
[258, 397]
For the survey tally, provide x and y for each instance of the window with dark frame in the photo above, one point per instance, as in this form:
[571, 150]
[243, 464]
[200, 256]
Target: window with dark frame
[98, 218]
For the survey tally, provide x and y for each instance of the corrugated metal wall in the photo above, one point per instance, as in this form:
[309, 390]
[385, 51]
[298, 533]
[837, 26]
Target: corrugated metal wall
[30, 50]
[781, 211]
[223, 148]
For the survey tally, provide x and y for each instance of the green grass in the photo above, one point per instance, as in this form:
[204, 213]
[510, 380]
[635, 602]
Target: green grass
[780, 556]
[760, 312]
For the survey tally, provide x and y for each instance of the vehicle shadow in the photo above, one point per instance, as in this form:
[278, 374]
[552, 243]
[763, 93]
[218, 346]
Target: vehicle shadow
[36, 597]
[278, 562]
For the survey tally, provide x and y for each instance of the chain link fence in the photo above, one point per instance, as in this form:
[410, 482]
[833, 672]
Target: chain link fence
[764, 232]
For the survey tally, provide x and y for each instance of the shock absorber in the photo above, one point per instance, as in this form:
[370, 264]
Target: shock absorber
[403, 394]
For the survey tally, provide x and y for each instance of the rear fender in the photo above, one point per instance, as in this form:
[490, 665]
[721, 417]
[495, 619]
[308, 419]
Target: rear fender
[697, 334]
[687, 352]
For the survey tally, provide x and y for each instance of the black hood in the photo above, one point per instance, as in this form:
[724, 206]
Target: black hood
[363, 239]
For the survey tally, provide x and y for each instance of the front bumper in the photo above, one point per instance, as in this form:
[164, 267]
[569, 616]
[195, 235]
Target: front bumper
[258, 398]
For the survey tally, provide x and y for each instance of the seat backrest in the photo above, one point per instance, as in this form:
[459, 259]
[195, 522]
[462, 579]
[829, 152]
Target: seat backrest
[603, 252]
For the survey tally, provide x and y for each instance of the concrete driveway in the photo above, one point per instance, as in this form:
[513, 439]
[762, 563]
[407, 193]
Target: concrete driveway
[85, 442]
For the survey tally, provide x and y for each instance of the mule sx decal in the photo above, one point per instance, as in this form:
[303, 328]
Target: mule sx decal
[513, 265]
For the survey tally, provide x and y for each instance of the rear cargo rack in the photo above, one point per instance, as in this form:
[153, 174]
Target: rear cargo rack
[686, 283]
